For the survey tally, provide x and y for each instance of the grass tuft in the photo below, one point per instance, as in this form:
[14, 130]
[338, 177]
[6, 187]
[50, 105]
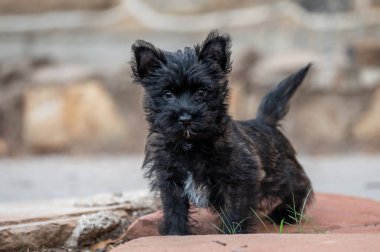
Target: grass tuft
[228, 227]
[300, 219]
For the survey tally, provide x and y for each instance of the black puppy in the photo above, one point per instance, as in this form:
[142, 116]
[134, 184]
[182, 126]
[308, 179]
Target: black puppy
[196, 154]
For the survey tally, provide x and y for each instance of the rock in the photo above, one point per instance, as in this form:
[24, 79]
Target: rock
[148, 225]
[44, 119]
[62, 74]
[3, 147]
[330, 72]
[327, 6]
[319, 123]
[330, 213]
[337, 213]
[365, 56]
[366, 52]
[237, 98]
[369, 76]
[53, 224]
[141, 199]
[255, 242]
[45, 234]
[198, 6]
[56, 117]
[367, 129]
[36, 6]
[90, 226]
[144, 226]
[34, 212]
[270, 70]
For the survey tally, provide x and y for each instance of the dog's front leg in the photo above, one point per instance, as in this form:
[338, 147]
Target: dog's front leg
[176, 209]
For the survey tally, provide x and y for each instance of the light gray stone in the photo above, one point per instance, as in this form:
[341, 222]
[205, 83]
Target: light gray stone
[62, 74]
[89, 226]
[320, 123]
[133, 200]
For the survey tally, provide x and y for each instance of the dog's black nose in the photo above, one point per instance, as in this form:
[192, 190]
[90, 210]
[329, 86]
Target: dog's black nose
[185, 118]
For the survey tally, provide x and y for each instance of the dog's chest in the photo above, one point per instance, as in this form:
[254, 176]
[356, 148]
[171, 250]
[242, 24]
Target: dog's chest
[197, 193]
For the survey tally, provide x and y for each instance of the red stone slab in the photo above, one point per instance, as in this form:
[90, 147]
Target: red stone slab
[329, 214]
[338, 213]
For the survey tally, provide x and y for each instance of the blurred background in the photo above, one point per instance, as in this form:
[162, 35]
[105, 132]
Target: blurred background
[71, 122]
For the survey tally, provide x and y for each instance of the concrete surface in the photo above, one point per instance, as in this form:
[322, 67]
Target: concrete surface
[51, 177]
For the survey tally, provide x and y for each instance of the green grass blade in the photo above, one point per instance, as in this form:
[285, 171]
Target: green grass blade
[215, 226]
[272, 221]
[296, 220]
[282, 226]
[262, 222]
[303, 208]
[294, 204]
[226, 222]
[305, 201]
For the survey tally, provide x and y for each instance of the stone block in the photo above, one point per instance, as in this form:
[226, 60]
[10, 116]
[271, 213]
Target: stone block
[366, 52]
[56, 117]
[4, 149]
[367, 129]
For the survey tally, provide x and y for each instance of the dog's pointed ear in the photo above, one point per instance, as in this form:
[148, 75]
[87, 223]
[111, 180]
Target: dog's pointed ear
[146, 58]
[217, 48]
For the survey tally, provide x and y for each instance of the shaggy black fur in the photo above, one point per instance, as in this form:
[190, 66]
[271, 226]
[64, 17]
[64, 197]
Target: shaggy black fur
[196, 154]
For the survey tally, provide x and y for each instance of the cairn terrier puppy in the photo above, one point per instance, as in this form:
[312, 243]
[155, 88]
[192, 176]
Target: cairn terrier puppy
[196, 154]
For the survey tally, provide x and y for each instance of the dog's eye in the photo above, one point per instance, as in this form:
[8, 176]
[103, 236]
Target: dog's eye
[168, 95]
[201, 93]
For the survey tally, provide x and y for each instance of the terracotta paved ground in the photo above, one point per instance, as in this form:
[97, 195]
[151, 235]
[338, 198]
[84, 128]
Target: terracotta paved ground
[335, 223]
[257, 242]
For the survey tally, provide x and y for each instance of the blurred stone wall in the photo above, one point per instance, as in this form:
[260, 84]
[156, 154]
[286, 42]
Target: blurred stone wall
[37, 6]
[65, 80]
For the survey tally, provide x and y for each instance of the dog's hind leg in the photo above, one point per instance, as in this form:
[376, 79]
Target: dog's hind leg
[293, 206]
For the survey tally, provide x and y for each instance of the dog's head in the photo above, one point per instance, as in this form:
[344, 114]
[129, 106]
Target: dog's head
[186, 93]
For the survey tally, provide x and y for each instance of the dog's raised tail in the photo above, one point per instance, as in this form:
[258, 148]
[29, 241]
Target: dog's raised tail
[275, 105]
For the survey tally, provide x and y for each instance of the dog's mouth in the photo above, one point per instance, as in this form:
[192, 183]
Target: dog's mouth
[188, 133]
